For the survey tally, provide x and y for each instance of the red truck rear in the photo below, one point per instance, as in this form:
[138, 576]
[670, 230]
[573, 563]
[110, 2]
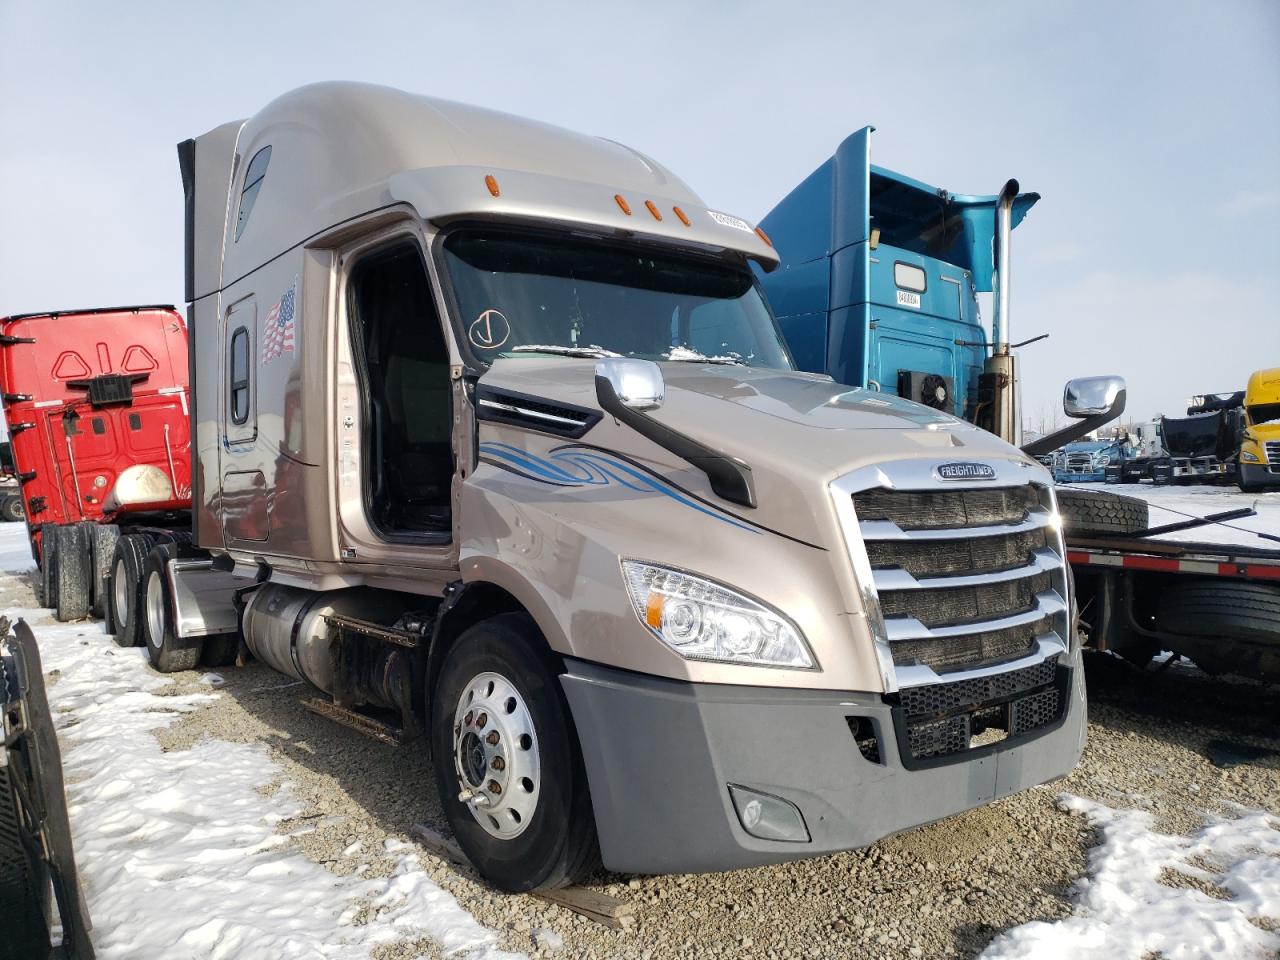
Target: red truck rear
[96, 406]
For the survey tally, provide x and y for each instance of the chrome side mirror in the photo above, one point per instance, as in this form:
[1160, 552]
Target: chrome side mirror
[637, 383]
[1093, 396]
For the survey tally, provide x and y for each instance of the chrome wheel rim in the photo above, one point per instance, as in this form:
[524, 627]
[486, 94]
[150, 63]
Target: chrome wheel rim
[120, 590]
[155, 609]
[495, 756]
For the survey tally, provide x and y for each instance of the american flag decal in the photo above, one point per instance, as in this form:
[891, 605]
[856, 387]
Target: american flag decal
[277, 336]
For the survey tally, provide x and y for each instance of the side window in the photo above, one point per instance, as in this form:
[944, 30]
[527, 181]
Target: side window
[252, 184]
[238, 366]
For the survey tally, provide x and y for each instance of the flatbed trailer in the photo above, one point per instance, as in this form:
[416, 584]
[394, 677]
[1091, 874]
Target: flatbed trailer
[1216, 603]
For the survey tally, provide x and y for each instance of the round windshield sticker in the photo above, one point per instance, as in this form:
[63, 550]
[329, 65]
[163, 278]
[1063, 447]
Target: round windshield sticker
[490, 330]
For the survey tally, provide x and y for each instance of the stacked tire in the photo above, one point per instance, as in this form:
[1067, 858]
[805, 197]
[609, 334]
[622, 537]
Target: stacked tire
[1094, 512]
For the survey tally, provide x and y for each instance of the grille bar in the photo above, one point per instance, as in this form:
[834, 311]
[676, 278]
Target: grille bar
[965, 604]
[947, 509]
[947, 558]
[1042, 561]
[1047, 604]
[887, 530]
[988, 647]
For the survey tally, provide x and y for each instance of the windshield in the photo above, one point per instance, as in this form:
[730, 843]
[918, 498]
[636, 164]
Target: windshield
[1261, 413]
[525, 292]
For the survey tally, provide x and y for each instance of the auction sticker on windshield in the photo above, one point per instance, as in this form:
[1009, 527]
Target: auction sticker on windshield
[727, 221]
[490, 330]
[908, 299]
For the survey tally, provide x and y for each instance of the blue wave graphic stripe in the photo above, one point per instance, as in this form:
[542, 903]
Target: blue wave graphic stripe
[588, 468]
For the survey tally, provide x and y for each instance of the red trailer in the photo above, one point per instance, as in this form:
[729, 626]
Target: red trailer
[96, 403]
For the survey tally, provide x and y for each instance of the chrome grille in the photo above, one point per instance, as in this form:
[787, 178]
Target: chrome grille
[965, 579]
[1272, 450]
[1079, 463]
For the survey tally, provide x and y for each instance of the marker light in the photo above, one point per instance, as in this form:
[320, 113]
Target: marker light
[683, 218]
[702, 620]
[491, 182]
[622, 204]
[653, 210]
[763, 236]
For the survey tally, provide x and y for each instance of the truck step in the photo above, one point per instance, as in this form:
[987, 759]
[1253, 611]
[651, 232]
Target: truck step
[374, 631]
[365, 724]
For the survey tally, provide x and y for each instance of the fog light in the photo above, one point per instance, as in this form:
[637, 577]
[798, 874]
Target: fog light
[767, 817]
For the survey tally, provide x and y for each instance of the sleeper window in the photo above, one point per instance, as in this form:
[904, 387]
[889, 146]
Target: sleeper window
[252, 184]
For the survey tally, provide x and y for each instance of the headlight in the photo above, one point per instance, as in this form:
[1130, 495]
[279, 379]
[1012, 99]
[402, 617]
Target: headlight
[1103, 460]
[701, 620]
[1248, 457]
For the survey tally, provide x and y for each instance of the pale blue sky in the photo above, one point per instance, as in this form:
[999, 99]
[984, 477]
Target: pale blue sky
[1151, 129]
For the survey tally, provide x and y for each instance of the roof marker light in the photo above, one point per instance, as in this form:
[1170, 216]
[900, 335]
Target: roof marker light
[763, 236]
[491, 182]
[683, 218]
[622, 204]
[653, 210]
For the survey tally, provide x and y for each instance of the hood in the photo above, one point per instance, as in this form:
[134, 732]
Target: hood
[796, 431]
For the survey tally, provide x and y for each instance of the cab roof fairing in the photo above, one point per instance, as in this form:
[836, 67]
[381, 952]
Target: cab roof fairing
[341, 150]
[839, 203]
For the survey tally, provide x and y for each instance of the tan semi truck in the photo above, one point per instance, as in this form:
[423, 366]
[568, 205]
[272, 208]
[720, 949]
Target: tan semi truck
[498, 443]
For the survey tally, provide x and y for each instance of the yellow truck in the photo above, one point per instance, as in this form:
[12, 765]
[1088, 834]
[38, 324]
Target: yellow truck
[1260, 444]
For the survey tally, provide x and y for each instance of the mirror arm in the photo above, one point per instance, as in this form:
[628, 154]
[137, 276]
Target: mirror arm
[1064, 436]
[730, 477]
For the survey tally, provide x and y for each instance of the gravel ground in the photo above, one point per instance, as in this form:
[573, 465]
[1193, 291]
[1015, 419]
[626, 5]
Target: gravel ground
[941, 891]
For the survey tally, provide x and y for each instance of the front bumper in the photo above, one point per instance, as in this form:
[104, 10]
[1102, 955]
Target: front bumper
[1097, 477]
[1260, 474]
[660, 755]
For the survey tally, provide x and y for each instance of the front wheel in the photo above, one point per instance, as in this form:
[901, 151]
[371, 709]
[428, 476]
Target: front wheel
[507, 762]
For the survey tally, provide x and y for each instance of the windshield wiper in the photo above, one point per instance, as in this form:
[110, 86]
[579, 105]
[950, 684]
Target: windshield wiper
[593, 352]
[687, 355]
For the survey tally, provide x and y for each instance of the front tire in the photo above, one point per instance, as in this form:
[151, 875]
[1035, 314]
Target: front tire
[501, 731]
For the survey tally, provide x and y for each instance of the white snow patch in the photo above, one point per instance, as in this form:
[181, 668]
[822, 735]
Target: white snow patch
[1123, 912]
[178, 852]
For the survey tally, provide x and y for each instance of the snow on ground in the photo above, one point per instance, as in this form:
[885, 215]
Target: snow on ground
[178, 852]
[1199, 501]
[1125, 912]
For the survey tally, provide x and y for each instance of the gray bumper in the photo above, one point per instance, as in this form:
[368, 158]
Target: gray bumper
[1258, 474]
[660, 755]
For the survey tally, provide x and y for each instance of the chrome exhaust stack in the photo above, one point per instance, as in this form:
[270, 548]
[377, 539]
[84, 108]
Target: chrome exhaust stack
[1000, 365]
[1000, 280]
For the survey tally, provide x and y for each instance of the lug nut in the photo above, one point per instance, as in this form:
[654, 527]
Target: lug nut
[466, 721]
[492, 738]
[494, 787]
[499, 763]
[482, 720]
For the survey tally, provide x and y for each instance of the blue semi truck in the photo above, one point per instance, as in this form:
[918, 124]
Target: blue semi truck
[1091, 461]
[879, 281]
